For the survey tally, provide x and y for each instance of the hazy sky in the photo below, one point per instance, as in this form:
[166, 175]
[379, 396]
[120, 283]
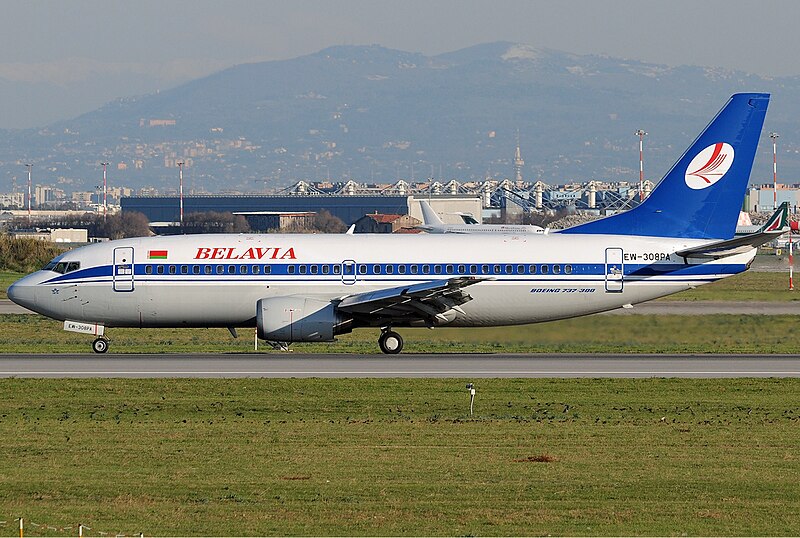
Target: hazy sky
[761, 37]
[167, 42]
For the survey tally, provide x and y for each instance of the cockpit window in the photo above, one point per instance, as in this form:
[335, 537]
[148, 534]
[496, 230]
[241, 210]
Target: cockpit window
[73, 266]
[52, 263]
[60, 267]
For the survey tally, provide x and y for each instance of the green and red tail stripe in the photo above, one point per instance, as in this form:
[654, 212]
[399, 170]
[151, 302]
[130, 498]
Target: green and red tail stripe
[157, 254]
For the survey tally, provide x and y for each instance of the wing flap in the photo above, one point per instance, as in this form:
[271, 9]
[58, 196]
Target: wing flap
[425, 301]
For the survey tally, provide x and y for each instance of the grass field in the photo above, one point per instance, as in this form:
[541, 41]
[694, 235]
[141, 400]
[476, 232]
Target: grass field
[747, 286]
[401, 457]
[593, 334]
[6, 279]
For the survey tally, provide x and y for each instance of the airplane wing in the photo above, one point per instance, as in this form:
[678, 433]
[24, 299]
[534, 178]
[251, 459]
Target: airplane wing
[426, 301]
[777, 225]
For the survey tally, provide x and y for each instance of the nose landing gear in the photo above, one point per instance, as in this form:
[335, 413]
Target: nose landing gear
[390, 342]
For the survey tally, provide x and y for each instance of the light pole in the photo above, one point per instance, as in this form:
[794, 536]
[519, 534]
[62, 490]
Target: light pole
[29, 166]
[105, 190]
[180, 191]
[774, 137]
[641, 134]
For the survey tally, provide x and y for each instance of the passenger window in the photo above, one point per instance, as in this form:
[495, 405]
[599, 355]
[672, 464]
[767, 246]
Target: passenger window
[389, 269]
[376, 269]
[313, 269]
[473, 269]
[414, 269]
[302, 269]
[290, 269]
[337, 269]
[231, 269]
[426, 269]
[497, 270]
[438, 269]
[326, 269]
[242, 269]
[568, 269]
[160, 269]
[545, 269]
[172, 269]
[184, 269]
[532, 269]
[462, 269]
[207, 269]
[509, 269]
[401, 269]
[220, 269]
[521, 269]
[485, 269]
[256, 269]
[362, 269]
[148, 269]
[556, 269]
[267, 269]
[195, 269]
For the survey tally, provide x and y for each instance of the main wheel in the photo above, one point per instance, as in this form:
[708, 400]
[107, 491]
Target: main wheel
[100, 345]
[390, 342]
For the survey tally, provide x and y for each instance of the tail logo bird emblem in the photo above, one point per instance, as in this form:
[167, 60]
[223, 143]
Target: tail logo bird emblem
[709, 166]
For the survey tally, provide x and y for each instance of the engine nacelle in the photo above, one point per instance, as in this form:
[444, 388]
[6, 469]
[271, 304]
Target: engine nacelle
[298, 319]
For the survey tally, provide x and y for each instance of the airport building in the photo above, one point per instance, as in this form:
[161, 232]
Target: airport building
[349, 208]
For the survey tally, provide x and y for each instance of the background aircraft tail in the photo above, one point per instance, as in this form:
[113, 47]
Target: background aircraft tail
[429, 216]
[700, 197]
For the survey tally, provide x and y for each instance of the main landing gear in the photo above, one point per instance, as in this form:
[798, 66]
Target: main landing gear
[390, 342]
[100, 345]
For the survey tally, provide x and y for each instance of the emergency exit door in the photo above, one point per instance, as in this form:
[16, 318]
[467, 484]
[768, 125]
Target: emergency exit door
[615, 270]
[123, 269]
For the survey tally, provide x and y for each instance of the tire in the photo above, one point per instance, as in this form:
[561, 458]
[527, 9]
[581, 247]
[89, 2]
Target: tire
[100, 345]
[390, 342]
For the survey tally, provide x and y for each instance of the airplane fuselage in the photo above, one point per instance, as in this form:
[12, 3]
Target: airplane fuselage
[216, 280]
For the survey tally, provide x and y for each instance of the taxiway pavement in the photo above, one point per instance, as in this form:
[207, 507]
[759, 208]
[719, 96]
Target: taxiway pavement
[287, 365]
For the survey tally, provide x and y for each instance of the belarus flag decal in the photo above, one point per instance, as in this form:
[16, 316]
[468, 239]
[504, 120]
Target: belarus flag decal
[157, 254]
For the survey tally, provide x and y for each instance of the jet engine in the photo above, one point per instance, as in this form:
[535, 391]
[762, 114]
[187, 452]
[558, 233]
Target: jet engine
[299, 319]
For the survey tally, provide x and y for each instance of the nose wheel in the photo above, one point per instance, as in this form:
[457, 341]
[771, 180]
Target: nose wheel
[100, 345]
[390, 342]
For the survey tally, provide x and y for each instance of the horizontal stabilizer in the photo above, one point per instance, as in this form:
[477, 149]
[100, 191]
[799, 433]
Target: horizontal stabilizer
[731, 247]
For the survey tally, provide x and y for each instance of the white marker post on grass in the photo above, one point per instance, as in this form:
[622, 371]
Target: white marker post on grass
[471, 389]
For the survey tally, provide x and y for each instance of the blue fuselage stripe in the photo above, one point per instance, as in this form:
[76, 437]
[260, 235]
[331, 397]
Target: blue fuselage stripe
[540, 272]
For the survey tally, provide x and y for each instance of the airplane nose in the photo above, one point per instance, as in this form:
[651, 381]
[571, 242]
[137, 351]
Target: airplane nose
[21, 293]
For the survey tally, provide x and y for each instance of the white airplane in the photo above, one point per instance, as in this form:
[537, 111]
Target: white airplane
[302, 288]
[434, 225]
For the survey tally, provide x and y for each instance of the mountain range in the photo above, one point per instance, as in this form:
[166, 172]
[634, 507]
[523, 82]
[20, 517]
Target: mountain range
[377, 115]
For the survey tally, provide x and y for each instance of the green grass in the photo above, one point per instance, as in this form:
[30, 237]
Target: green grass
[747, 286]
[593, 334]
[401, 457]
[6, 279]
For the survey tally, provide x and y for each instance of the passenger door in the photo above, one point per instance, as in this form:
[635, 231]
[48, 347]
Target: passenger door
[123, 269]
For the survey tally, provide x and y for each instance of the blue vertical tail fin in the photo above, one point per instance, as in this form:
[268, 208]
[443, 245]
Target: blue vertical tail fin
[701, 195]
